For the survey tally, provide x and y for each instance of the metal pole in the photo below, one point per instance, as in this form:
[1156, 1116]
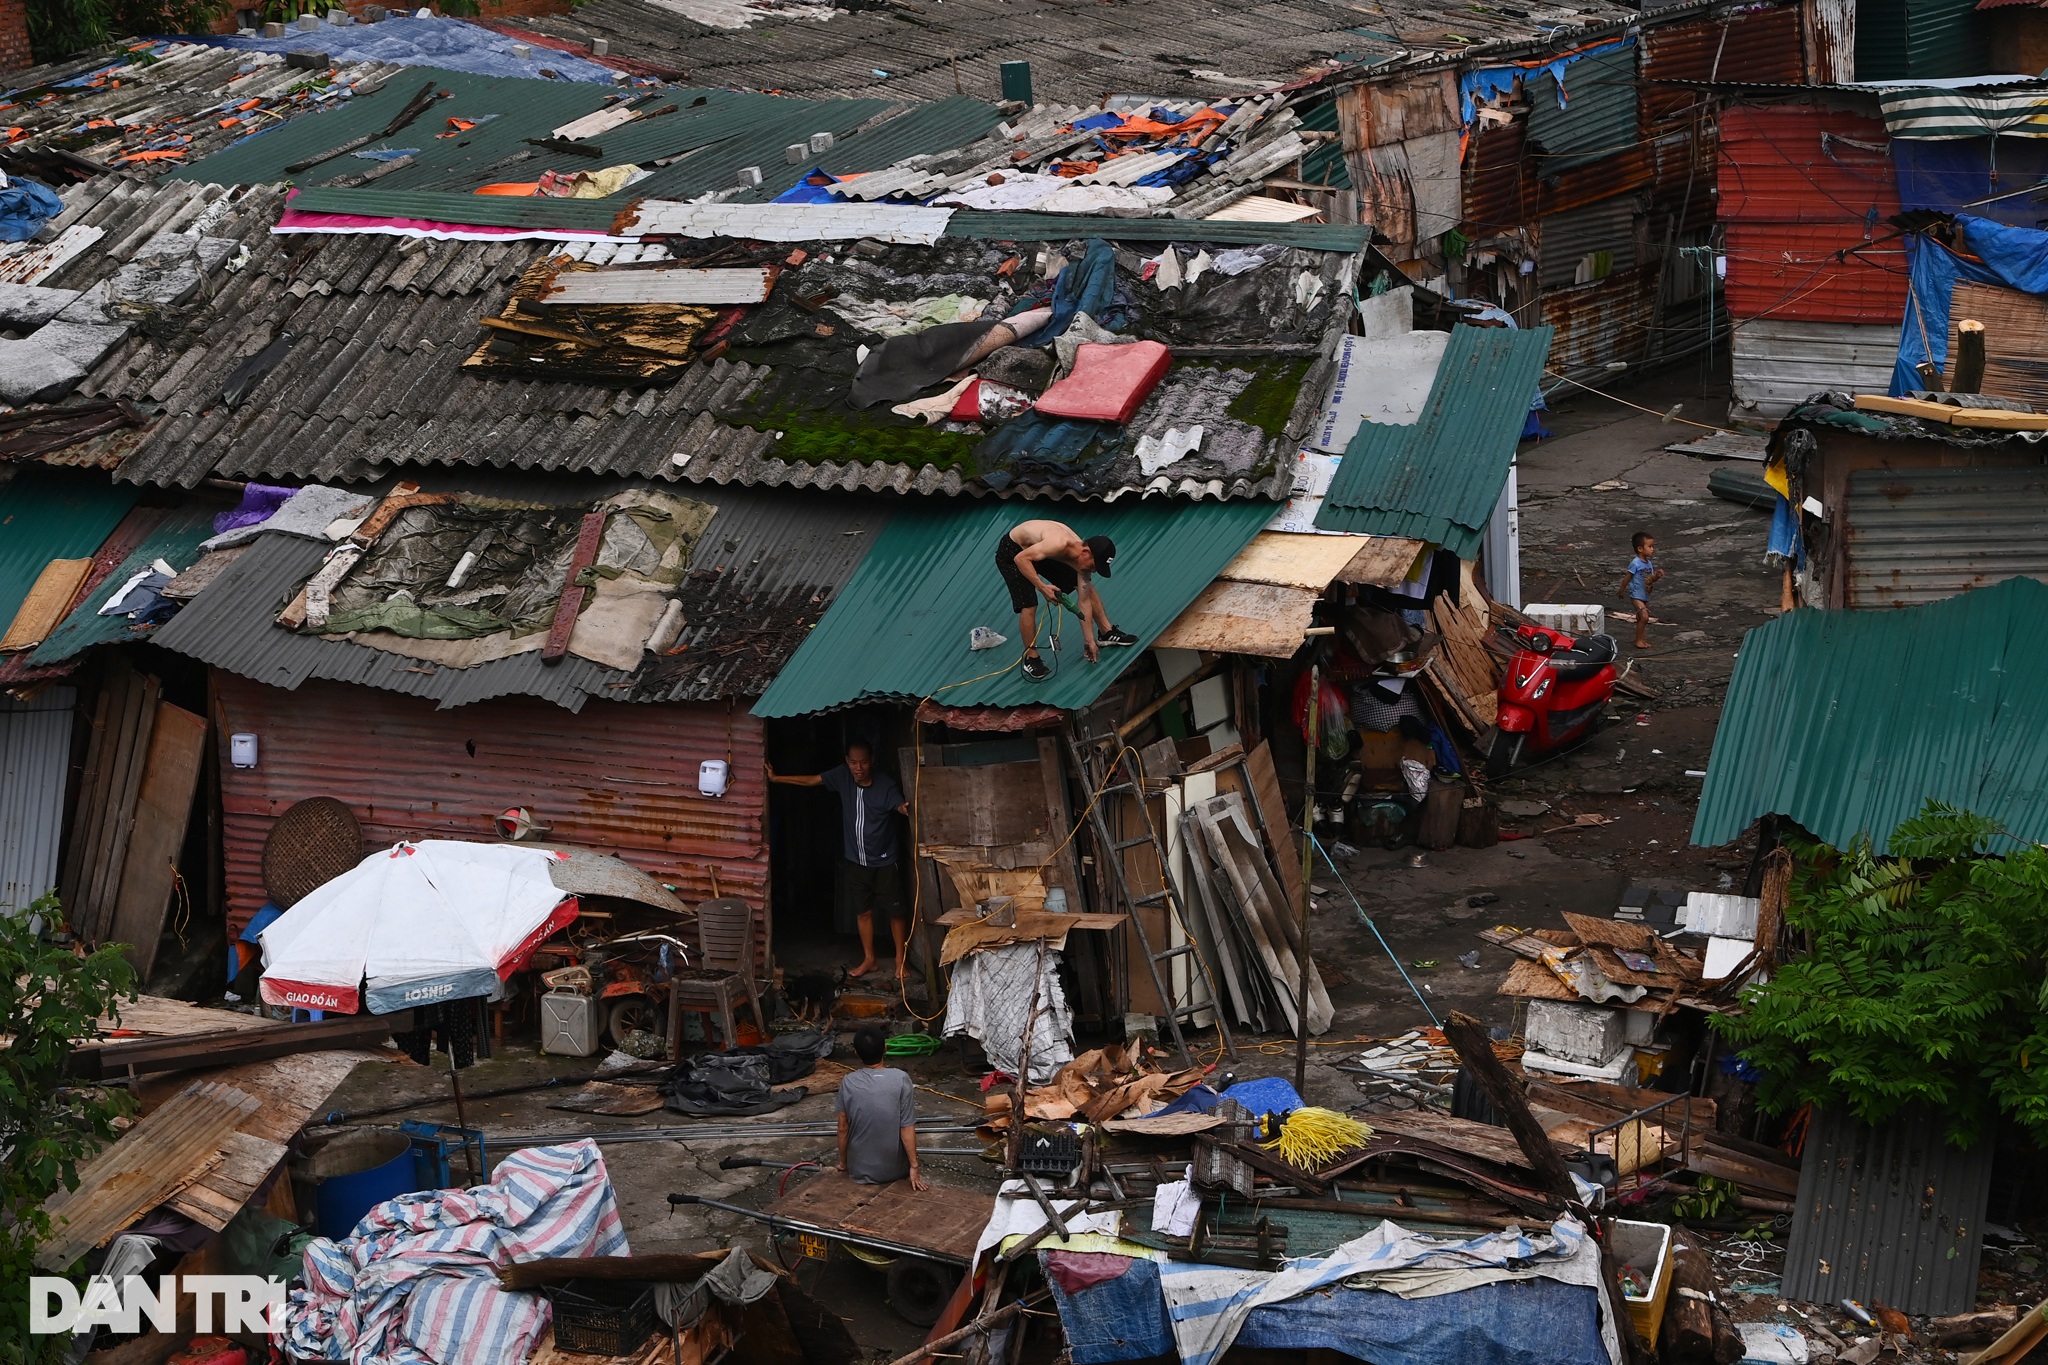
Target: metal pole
[1308, 844]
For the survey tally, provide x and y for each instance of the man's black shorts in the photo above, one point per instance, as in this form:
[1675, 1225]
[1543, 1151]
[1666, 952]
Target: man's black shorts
[873, 890]
[1022, 595]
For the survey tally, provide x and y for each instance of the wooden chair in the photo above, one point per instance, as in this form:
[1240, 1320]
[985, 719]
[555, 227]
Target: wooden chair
[725, 970]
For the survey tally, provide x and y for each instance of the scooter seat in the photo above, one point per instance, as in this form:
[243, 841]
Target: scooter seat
[1591, 654]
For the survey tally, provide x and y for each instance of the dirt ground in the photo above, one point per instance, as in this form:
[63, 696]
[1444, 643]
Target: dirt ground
[1602, 476]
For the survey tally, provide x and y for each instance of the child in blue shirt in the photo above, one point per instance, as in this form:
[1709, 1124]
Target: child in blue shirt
[1636, 583]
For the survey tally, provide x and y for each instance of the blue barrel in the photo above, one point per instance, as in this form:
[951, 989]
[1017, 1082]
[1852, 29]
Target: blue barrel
[355, 1173]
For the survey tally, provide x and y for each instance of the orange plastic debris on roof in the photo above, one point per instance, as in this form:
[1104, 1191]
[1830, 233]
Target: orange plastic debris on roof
[230, 122]
[1144, 127]
[247, 105]
[516, 188]
[99, 123]
[163, 154]
[457, 126]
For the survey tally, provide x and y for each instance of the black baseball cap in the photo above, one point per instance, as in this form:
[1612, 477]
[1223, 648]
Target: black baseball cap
[1104, 550]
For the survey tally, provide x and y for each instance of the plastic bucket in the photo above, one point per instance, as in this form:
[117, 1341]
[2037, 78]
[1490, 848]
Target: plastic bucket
[353, 1174]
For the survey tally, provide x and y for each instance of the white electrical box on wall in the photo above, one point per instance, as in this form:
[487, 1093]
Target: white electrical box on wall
[713, 776]
[242, 750]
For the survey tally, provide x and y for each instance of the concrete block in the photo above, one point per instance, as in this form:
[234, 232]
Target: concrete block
[622, 78]
[600, 47]
[1573, 618]
[30, 305]
[821, 142]
[308, 23]
[523, 52]
[750, 176]
[374, 14]
[1591, 1035]
[338, 17]
[273, 30]
[795, 153]
[307, 59]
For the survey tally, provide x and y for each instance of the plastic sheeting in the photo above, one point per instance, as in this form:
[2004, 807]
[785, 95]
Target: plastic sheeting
[1525, 1322]
[446, 43]
[1972, 175]
[2014, 257]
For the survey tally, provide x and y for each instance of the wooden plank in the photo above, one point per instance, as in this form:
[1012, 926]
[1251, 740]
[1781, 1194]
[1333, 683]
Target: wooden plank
[110, 857]
[163, 808]
[233, 1175]
[1294, 560]
[588, 538]
[1751, 1175]
[1382, 561]
[48, 601]
[1243, 618]
[1533, 981]
[1475, 1050]
[2015, 325]
[1482, 1140]
[160, 1155]
[235, 1046]
[154, 1016]
[1991, 418]
[1249, 863]
[1271, 805]
[944, 1221]
[89, 805]
[669, 284]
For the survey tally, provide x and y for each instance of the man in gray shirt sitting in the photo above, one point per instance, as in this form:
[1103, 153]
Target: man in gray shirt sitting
[877, 1118]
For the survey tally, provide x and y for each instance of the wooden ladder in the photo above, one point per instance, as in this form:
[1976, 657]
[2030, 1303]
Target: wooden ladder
[1099, 771]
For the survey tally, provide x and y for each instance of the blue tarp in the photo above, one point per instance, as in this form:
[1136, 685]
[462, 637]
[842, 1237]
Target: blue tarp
[1490, 81]
[1516, 1322]
[25, 205]
[446, 43]
[1956, 175]
[2014, 257]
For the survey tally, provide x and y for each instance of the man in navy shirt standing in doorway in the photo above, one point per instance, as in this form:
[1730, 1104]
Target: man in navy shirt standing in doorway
[871, 853]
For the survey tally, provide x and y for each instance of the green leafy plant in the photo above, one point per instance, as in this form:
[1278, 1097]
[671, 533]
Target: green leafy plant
[63, 28]
[49, 996]
[1713, 1197]
[1925, 985]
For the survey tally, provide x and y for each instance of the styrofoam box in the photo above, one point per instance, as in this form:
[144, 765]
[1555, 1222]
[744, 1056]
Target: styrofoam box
[1573, 618]
[568, 1024]
[1589, 1034]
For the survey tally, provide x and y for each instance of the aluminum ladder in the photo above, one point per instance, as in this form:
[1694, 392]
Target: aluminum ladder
[1099, 774]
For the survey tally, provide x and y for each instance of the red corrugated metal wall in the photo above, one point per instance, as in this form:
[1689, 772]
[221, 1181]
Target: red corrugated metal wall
[614, 776]
[1805, 192]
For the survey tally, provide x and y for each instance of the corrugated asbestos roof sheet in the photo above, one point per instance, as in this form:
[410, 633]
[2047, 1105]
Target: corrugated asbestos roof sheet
[175, 540]
[767, 568]
[372, 377]
[900, 627]
[1848, 722]
[1890, 1215]
[46, 515]
[1077, 53]
[698, 145]
[1439, 479]
[159, 106]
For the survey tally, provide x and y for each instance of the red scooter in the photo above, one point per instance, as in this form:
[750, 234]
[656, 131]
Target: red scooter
[1554, 694]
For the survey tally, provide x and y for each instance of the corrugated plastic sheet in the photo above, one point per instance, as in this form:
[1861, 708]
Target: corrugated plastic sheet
[35, 763]
[1324, 165]
[1598, 118]
[899, 630]
[1806, 163]
[1814, 272]
[1439, 479]
[175, 540]
[1891, 1215]
[1848, 722]
[1751, 45]
[621, 779]
[46, 515]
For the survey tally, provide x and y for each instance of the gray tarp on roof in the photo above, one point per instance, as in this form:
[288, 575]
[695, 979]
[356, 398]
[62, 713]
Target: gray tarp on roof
[766, 569]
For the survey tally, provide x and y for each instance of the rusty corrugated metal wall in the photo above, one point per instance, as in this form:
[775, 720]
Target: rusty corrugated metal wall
[613, 776]
[1596, 323]
[1892, 1215]
[1761, 46]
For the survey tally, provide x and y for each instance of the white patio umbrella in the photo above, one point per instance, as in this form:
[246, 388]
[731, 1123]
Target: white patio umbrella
[412, 925]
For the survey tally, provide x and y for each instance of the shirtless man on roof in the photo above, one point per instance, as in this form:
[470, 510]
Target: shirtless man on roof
[1047, 558]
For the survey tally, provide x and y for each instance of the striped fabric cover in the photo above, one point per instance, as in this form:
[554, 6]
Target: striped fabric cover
[1929, 114]
[413, 1284]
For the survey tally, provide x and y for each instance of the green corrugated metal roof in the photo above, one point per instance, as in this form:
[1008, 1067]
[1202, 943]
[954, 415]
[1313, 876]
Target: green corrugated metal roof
[475, 210]
[1439, 479]
[709, 136]
[1849, 722]
[899, 628]
[1325, 164]
[46, 515]
[175, 541]
[1599, 115]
